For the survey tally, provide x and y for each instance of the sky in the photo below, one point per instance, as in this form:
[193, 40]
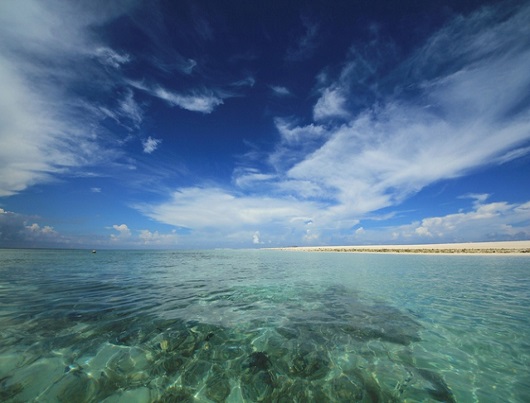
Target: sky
[243, 124]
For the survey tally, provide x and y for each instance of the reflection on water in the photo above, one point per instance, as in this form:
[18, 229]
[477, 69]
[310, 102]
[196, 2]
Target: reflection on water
[245, 326]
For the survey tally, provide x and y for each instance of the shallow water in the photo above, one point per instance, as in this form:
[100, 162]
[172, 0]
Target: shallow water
[238, 326]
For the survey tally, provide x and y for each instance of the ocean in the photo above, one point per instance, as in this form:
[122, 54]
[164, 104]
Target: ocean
[262, 325]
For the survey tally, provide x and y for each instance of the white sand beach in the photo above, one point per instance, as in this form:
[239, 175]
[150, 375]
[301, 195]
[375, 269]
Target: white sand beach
[505, 247]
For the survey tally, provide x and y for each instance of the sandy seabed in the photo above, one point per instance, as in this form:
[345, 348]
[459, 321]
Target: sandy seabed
[505, 247]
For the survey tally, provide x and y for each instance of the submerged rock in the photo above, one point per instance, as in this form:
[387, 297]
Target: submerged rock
[76, 386]
[257, 386]
[287, 332]
[346, 389]
[9, 391]
[176, 394]
[258, 361]
[313, 365]
[170, 364]
[440, 390]
[195, 373]
[217, 385]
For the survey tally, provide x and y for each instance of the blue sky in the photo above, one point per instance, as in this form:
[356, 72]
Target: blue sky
[200, 124]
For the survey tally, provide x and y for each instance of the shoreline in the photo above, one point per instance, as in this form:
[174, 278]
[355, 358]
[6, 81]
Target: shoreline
[470, 248]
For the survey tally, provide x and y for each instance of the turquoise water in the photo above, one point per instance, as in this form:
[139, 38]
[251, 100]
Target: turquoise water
[160, 326]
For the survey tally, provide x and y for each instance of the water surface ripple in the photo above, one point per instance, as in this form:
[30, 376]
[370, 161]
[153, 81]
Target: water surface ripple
[245, 326]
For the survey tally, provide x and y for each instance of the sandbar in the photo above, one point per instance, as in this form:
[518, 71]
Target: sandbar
[487, 248]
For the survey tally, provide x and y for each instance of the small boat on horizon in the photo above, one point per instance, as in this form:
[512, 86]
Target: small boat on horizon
[93, 251]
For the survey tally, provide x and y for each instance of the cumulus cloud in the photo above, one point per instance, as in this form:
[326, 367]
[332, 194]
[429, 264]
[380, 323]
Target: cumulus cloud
[19, 230]
[123, 232]
[155, 238]
[485, 222]
[481, 222]
[133, 238]
[150, 144]
[256, 238]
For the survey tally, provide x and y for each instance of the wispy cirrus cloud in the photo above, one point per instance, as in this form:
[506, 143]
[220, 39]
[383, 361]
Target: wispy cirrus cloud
[67, 104]
[467, 116]
[111, 58]
[197, 101]
[204, 101]
[304, 46]
[46, 56]
[129, 108]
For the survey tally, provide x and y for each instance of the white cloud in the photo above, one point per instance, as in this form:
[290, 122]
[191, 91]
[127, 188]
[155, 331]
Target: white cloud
[280, 91]
[188, 66]
[45, 128]
[492, 221]
[246, 82]
[213, 214]
[204, 101]
[512, 155]
[131, 238]
[496, 221]
[130, 109]
[95, 190]
[256, 238]
[392, 150]
[200, 208]
[297, 142]
[111, 58]
[19, 230]
[198, 101]
[150, 144]
[331, 104]
[249, 178]
[155, 238]
[467, 112]
[293, 134]
[123, 232]
[38, 230]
